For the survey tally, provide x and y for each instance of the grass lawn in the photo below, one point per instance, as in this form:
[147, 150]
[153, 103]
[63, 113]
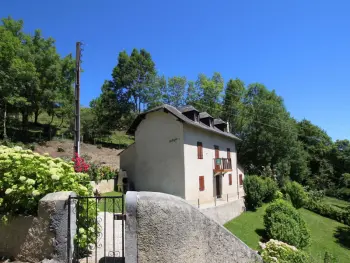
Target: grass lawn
[111, 204]
[326, 234]
[336, 202]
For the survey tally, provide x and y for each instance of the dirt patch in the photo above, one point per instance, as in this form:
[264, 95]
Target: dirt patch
[64, 149]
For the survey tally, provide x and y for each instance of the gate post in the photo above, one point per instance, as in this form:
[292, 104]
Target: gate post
[55, 208]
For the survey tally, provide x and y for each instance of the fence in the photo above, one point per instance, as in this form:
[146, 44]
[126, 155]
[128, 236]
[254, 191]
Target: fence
[215, 201]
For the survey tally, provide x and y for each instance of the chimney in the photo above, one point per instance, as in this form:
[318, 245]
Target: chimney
[228, 127]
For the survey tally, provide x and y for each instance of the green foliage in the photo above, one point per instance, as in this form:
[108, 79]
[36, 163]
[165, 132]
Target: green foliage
[25, 177]
[97, 172]
[296, 193]
[258, 190]
[271, 189]
[330, 211]
[329, 258]
[283, 222]
[277, 251]
[254, 189]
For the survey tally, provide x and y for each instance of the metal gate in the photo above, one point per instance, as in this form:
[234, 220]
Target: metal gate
[100, 228]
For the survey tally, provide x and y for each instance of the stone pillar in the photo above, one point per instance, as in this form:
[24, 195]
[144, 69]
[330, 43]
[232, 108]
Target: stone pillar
[33, 239]
[54, 208]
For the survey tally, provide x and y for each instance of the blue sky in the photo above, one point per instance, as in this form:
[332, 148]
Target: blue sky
[299, 48]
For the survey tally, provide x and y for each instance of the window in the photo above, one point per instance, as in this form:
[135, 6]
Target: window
[230, 179]
[240, 179]
[228, 153]
[199, 150]
[201, 183]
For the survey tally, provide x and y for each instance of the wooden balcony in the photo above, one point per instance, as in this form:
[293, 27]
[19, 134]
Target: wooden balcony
[222, 165]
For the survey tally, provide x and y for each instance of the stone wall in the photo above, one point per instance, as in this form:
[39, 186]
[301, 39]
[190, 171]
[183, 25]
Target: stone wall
[225, 212]
[165, 228]
[32, 239]
[104, 186]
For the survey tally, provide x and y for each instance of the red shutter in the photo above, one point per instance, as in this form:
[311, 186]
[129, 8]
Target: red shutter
[230, 179]
[199, 150]
[240, 179]
[228, 153]
[201, 183]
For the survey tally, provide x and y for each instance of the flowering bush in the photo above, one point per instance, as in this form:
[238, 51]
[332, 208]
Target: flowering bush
[25, 177]
[276, 251]
[80, 166]
[98, 172]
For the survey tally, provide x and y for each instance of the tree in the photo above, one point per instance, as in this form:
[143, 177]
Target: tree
[318, 145]
[210, 91]
[268, 132]
[233, 105]
[10, 46]
[134, 76]
[175, 92]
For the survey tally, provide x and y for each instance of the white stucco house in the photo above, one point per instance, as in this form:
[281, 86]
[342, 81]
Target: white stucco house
[182, 152]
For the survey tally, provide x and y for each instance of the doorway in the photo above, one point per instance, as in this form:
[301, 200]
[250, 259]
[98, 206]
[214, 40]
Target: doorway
[218, 182]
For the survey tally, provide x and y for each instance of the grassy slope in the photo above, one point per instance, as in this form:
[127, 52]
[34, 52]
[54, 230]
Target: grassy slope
[336, 202]
[248, 227]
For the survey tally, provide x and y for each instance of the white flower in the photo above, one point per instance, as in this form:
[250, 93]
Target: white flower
[30, 181]
[17, 148]
[81, 230]
[22, 178]
[8, 191]
[55, 177]
[35, 193]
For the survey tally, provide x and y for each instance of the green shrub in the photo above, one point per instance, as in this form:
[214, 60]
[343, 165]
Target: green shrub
[254, 188]
[283, 222]
[280, 252]
[278, 195]
[329, 258]
[297, 194]
[271, 188]
[25, 177]
[327, 210]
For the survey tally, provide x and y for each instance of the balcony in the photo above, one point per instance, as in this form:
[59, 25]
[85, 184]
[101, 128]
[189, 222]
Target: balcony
[222, 165]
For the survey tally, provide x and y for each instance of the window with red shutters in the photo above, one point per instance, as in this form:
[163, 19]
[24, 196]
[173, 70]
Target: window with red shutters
[240, 179]
[228, 153]
[201, 183]
[199, 150]
[230, 179]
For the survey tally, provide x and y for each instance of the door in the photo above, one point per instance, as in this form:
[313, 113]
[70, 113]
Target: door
[217, 163]
[218, 186]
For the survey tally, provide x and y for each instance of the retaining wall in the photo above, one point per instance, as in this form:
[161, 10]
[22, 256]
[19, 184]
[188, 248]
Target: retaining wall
[104, 186]
[225, 212]
[165, 228]
[33, 239]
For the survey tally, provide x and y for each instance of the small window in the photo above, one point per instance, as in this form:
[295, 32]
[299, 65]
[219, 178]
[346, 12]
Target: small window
[240, 179]
[201, 183]
[199, 150]
[230, 179]
[228, 153]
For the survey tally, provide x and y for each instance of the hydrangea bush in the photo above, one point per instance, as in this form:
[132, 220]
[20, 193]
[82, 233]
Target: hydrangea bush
[276, 251]
[26, 177]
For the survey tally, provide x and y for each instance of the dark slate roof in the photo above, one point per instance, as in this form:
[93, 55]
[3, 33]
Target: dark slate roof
[172, 110]
[187, 108]
[203, 115]
[218, 121]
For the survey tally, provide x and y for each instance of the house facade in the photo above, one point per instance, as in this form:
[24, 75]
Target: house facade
[184, 153]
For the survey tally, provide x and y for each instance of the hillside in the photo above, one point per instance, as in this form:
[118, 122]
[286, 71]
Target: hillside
[91, 153]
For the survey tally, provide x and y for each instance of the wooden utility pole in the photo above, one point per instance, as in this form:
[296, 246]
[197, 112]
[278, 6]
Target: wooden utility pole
[77, 100]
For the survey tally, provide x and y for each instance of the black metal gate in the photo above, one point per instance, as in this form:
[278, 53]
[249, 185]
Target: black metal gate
[100, 228]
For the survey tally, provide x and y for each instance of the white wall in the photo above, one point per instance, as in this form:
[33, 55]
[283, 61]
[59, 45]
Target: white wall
[195, 167]
[128, 161]
[158, 155]
[240, 170]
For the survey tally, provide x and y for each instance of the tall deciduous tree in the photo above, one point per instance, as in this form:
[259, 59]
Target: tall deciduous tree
[232, 109]
[175, 92]
[134, 76]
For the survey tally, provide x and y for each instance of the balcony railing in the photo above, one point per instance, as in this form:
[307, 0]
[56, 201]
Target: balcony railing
[222, 165]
